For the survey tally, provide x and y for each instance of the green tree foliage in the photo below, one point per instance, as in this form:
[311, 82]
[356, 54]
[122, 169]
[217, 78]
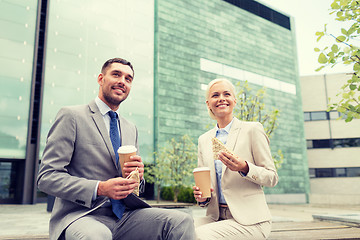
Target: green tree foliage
[185, 194]
[345, 51]
[250, 106]
[173, 165]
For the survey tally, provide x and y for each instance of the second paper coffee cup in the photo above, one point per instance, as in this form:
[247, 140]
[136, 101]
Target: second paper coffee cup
[202, 180]
[124, 155]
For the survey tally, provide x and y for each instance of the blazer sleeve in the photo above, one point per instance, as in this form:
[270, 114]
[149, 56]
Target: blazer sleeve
[54, 177]
[262, 170]
[200, 157]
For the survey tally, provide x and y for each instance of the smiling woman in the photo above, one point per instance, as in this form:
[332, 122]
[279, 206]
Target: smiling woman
[237, 175]
[220, 99]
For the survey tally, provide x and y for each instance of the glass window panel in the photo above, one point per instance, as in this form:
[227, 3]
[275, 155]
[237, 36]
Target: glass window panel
[324, 172]
[318, 116]
[347, 142]
[309, 144]
[82, 35]
[307, 116]
[312, 173]
[334, 172]
[10, 181]
[17, 24]
[340, 172]
[353, 172]
[351, 142]
[357, 142]
[337, 143]
[334, 115]
[325, 143]
[5, 176]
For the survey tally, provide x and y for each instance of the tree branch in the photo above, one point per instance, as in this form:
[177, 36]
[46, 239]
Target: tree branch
[340, 40]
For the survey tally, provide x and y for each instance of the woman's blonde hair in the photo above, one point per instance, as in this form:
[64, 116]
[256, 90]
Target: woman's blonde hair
[212, 83]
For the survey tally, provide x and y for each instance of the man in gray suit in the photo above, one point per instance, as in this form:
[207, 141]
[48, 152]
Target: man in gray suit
[79, 167]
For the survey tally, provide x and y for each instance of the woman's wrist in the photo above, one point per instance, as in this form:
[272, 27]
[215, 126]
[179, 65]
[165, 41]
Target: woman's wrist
[204, 203]
[245, 169]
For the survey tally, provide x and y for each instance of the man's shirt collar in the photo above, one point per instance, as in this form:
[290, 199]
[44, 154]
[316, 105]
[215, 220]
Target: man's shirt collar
[104, 109]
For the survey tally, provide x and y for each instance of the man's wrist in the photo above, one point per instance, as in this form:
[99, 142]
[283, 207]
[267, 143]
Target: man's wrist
[95, 194]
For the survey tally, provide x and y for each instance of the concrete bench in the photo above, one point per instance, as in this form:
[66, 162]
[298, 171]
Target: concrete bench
[313, 230]
[184, 207]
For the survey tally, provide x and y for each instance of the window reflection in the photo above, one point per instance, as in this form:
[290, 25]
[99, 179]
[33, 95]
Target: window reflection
[334, 115]
[323, 143]
[5, 177]
[79, 42]
[11, 178]
[353, 172]
[318, 116]
[321, 115]
[334, 172]
[16, 58]
[333, 143]
[307, 116]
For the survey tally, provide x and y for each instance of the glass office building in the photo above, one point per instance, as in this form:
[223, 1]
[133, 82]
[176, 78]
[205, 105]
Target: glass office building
[52, 51]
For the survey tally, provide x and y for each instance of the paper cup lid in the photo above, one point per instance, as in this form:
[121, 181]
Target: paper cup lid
[127, 149]
[200, 169]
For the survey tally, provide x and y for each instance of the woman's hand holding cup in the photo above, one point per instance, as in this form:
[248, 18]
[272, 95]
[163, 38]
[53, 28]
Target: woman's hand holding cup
[198, 194]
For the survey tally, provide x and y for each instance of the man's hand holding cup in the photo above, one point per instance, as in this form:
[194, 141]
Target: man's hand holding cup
[129, 161]
[135, 162]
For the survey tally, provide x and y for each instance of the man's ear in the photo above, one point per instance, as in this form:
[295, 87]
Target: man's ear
[100, 79]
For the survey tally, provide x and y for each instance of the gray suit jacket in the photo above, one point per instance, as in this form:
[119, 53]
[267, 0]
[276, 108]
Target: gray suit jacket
[244, 195]
[77, 155]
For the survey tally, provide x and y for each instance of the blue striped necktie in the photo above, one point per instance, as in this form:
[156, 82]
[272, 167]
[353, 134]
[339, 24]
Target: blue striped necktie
[118, 206]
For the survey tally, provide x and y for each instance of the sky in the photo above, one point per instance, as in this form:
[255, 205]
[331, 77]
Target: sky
[310, 16]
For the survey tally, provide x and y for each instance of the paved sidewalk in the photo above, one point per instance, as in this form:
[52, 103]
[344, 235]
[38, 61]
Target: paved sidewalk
[24, 221]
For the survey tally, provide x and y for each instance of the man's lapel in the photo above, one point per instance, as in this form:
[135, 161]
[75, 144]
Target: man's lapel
[99, 122]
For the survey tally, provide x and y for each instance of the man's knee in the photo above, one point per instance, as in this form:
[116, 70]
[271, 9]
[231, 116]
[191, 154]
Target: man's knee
[182, 227]
[87, 229]
[188, 220]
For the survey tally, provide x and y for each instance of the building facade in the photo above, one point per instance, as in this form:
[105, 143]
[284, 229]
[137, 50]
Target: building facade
[176, 47]
[333, 146]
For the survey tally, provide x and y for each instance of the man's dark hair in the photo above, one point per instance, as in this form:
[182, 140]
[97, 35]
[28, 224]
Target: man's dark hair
[116, 60]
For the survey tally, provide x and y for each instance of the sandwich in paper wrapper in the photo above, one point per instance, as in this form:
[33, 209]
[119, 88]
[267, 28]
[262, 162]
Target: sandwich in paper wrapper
[218, 146]
[135, 175]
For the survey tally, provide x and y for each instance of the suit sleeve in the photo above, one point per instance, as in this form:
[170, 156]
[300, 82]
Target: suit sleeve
[200, 155]
[54, 177]
[262, 171]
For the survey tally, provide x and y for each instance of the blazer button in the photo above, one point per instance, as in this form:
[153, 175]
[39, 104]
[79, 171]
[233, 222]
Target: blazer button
[254, 177]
